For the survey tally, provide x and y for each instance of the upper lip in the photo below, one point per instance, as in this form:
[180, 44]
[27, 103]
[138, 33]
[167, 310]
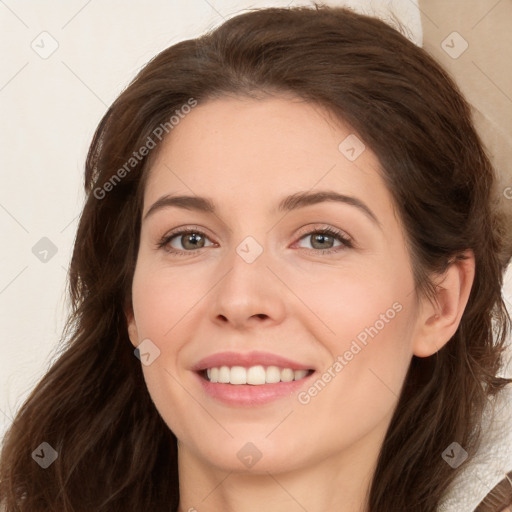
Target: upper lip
[247, 359]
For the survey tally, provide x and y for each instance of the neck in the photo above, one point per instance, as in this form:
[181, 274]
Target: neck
[336, 483]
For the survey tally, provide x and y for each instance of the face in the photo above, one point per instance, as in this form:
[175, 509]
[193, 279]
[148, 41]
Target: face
[320, 323]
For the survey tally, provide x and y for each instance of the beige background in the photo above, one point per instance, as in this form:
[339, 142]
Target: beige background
[483, 71]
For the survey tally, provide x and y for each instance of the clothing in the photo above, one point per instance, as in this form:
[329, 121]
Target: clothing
[485, 469]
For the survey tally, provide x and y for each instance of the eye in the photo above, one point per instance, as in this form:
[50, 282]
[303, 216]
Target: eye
[190, 239]
[193, 240]
[322, 240]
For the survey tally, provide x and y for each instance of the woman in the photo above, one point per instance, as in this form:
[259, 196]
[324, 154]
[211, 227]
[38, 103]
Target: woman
[347, 374]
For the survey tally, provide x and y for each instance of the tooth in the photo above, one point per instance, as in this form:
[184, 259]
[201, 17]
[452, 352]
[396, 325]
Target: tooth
[256, 375]
[224, 374]
[273, 375]
[287, 375]
[238, 375]
[300, 374]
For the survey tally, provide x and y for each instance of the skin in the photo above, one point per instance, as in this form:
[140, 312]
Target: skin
[246, 155]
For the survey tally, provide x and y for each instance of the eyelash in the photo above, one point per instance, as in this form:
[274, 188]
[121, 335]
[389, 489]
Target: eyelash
[346, 242]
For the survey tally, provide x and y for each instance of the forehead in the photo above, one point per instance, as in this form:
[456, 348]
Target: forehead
[254, 151]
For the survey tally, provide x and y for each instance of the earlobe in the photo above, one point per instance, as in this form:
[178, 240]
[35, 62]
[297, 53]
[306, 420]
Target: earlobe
[440, 318]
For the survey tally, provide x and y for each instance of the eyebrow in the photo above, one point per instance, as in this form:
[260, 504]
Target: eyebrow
[289, 203]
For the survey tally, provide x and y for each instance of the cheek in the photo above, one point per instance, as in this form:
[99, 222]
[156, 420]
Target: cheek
[370, 363]
[161, 299]
[160, 305]
[367, 327]
[350, 304]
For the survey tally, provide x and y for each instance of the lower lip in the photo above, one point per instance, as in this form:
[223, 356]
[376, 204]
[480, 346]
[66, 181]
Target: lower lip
[250, 395]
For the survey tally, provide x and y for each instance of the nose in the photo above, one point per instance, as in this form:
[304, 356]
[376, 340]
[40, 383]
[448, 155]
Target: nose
[249, 293]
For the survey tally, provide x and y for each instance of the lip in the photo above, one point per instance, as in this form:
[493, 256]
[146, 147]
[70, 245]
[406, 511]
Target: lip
[248, 395]
[248, 359]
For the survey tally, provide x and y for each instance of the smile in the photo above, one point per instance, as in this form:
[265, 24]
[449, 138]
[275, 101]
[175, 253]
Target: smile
[254, 375]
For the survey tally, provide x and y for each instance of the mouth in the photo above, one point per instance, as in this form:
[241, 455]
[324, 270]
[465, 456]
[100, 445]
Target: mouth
[252, 378]
[254, 375]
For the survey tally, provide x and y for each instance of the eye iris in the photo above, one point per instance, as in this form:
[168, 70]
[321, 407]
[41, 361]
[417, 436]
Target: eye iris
[195, 237]
[319, 238]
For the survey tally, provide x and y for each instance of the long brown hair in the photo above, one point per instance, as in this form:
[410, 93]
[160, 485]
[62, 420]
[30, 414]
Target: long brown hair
[93, 408]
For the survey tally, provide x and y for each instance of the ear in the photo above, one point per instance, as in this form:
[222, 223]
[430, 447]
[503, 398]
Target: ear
[440, 318]
[131, 326]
